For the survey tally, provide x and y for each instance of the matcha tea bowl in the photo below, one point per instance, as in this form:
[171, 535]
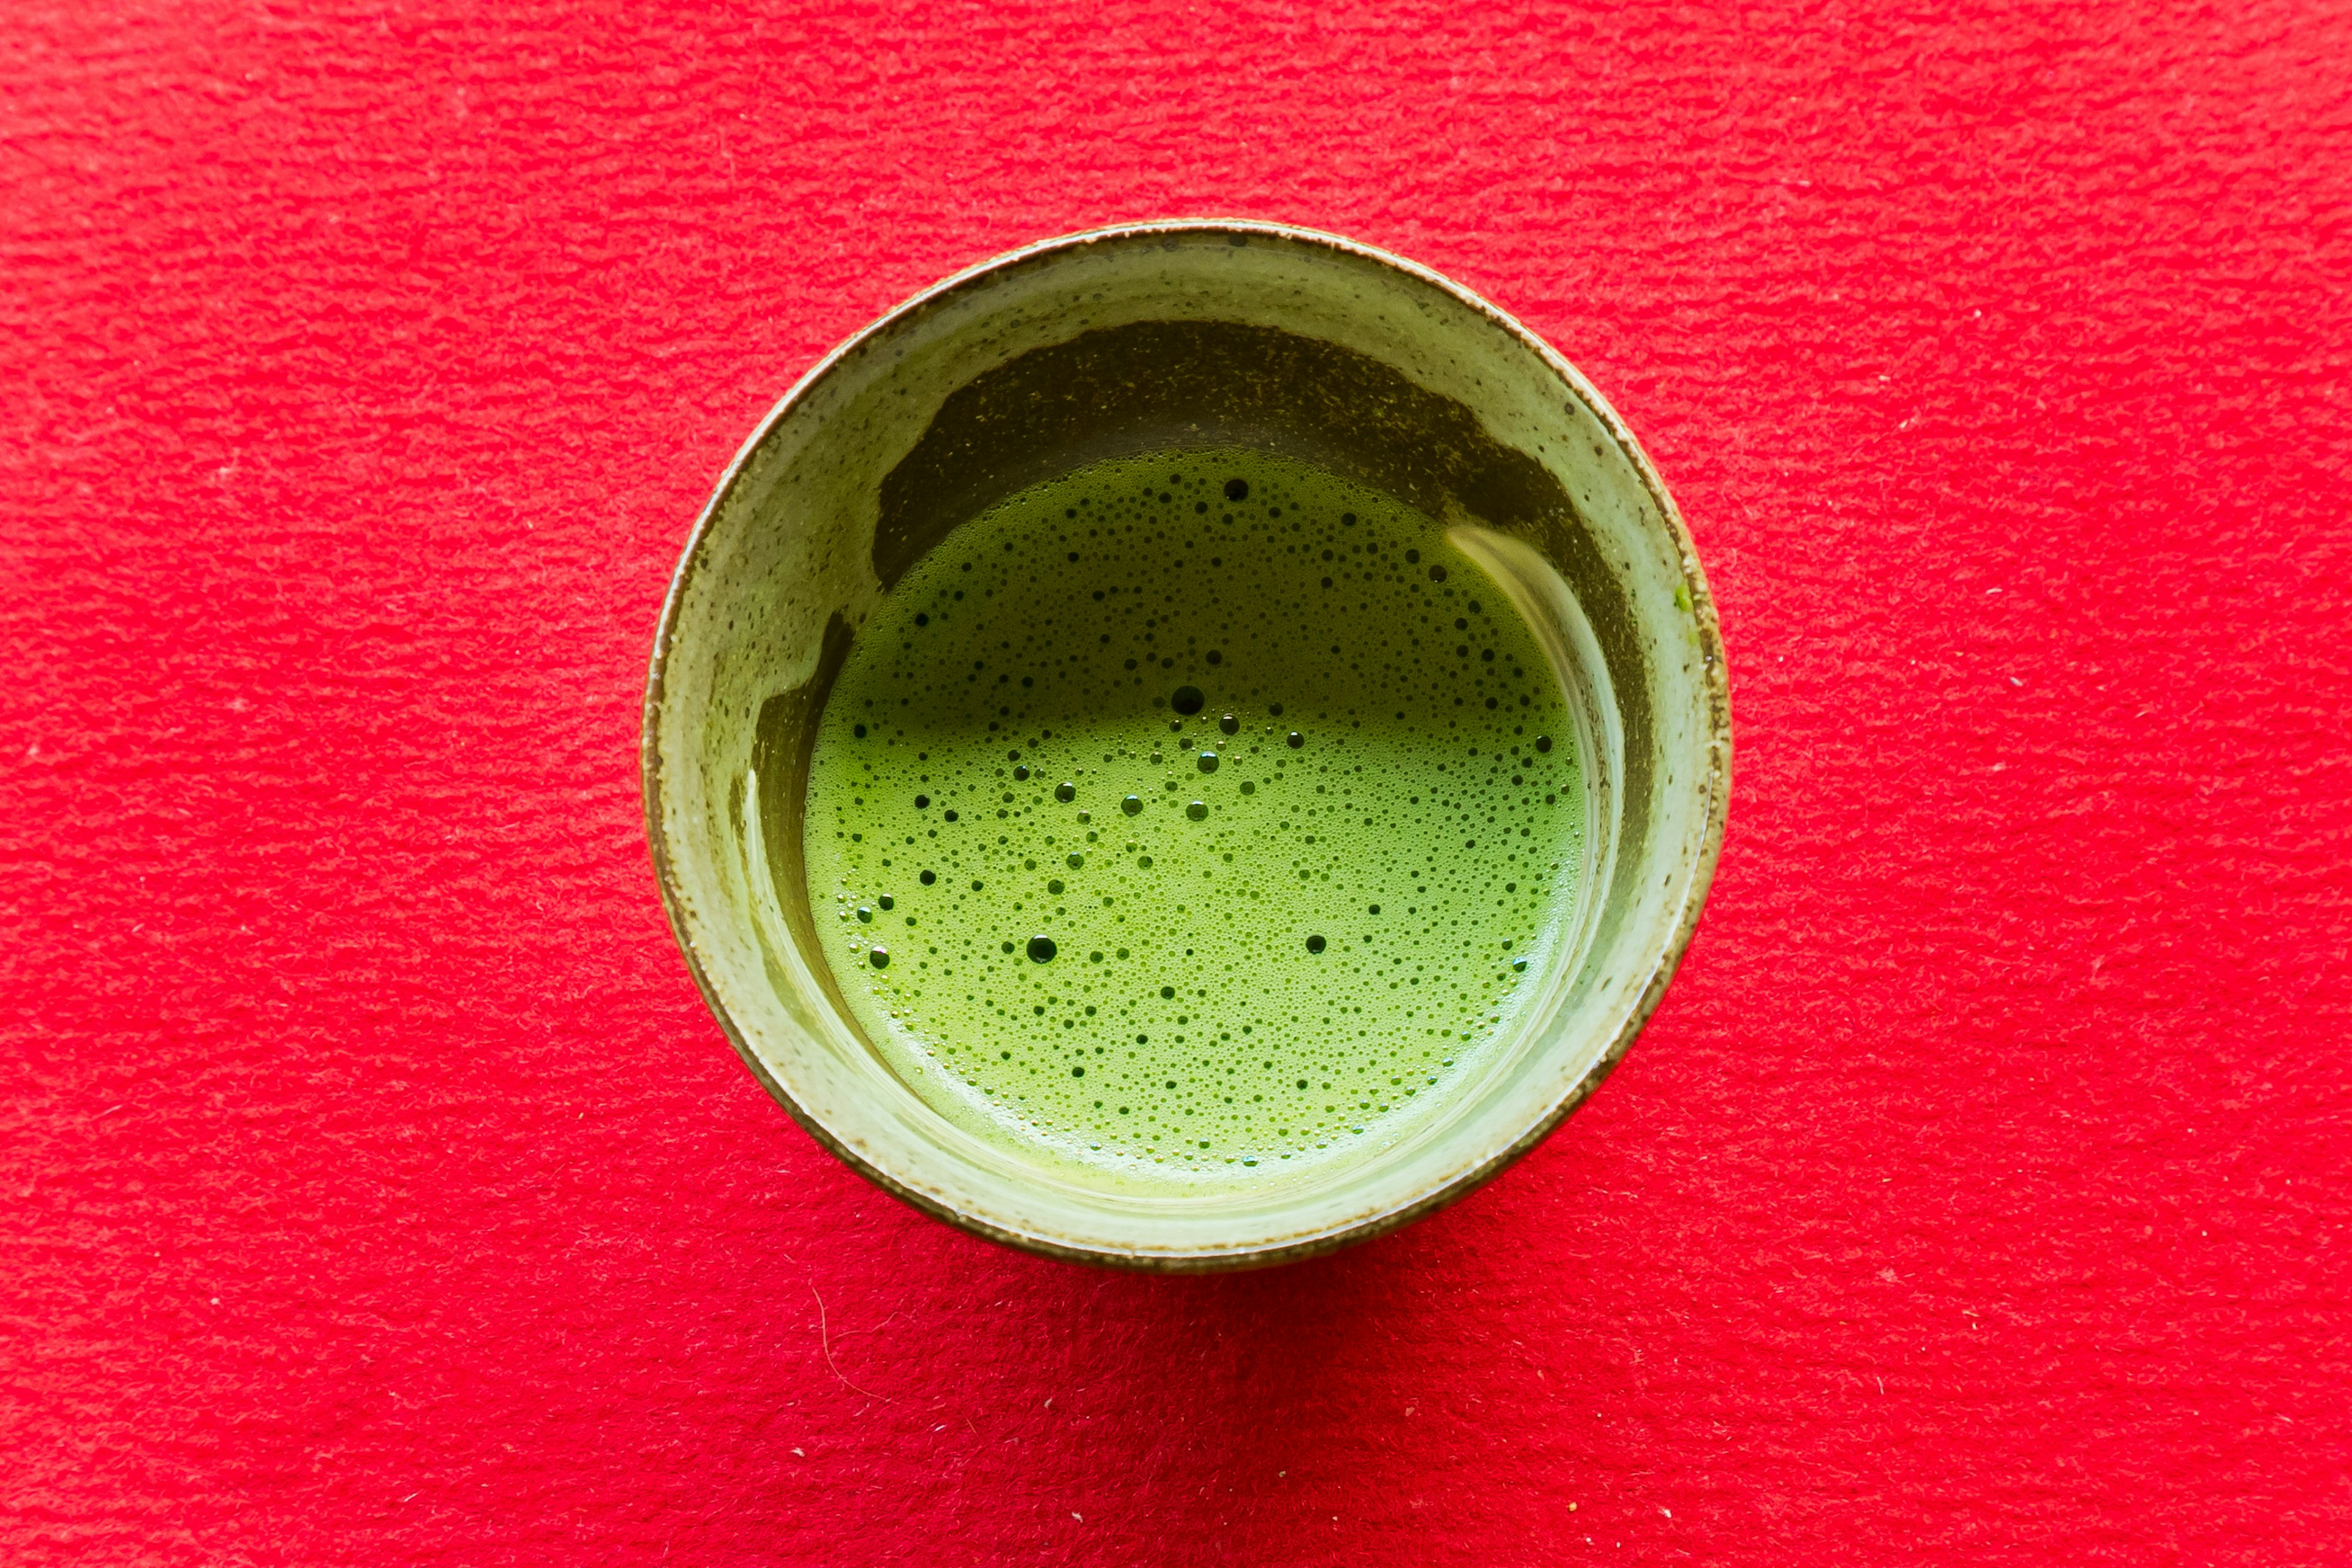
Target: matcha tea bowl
[1186, 746]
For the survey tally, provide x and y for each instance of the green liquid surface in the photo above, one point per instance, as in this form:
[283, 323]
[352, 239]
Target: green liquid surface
[1203, 816]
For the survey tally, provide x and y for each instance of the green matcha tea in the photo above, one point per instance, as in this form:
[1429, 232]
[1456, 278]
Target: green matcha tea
[1203, 816]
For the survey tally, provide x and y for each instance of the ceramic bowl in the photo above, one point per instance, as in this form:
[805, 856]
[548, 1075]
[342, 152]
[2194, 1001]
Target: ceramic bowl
[1144, 339]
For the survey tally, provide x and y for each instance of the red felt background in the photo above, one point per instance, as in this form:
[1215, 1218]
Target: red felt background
[377, 1189]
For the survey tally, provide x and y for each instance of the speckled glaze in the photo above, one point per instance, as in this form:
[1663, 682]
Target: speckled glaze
[1149, 337]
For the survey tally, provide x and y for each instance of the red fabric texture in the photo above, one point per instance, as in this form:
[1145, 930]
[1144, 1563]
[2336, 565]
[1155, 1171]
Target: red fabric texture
[378, 1189]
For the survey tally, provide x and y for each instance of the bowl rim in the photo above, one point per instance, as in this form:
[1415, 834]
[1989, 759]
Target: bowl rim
[1716, 745]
